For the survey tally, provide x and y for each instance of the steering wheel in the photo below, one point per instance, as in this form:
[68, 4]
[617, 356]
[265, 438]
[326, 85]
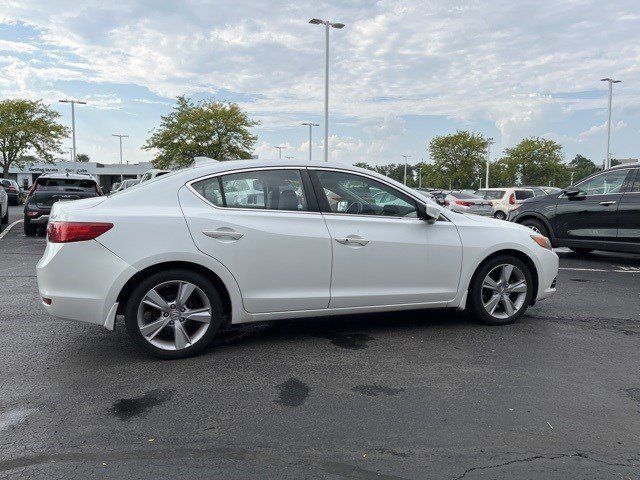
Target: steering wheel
[355, 207]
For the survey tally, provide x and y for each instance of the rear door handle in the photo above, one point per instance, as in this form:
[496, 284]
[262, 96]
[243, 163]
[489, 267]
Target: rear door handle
[607, 203]
[223, 233]
[352, 240]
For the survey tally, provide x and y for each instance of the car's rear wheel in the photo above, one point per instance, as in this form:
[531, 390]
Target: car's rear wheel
[500, 215]
[537, 226]
[174, 314]
[500, 290]
[30, 229]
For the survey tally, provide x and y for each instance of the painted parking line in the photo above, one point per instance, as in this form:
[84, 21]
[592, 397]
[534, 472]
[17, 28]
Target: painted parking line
[9, 227]
[623, 270]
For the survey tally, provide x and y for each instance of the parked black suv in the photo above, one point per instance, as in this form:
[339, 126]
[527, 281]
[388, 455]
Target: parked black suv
[602, 212]
[51, 188]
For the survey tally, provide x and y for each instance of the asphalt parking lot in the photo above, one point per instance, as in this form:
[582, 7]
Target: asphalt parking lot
[395, 396]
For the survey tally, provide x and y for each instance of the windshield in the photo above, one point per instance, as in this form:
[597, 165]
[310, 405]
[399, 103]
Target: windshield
[464, 195]
[490, 194]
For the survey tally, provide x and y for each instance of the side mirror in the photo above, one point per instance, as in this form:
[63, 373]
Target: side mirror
[428, 213]
[572, 192]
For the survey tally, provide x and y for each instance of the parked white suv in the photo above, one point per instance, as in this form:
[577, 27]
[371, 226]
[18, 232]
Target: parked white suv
[179, 261]
[504, 199]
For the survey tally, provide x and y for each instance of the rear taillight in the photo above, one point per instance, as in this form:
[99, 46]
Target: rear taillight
[463, 203]
[12, 189]
[65, 232]
[512, 199]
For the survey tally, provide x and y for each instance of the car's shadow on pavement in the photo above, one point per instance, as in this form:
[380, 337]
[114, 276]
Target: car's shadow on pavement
[603, 258]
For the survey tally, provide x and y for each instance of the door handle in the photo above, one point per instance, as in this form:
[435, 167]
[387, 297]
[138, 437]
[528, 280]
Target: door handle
[223, 233]
[352, 240]
[607, 203]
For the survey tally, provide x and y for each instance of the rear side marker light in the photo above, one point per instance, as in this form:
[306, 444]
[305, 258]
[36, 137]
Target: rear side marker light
[46, 301]
[65, 232]
[512, 199]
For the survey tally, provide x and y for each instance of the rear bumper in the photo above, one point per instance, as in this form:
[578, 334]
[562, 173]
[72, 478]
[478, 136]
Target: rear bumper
[82, 281]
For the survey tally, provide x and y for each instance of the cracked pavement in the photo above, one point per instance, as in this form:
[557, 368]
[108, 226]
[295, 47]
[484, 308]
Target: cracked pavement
[396, 396]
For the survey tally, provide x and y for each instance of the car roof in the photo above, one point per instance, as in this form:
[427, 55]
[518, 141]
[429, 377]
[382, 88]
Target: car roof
[626, 165]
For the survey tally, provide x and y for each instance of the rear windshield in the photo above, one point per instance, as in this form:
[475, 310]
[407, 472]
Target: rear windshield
[522, 194]
[464, 195]
[490, 194]
[66, 184]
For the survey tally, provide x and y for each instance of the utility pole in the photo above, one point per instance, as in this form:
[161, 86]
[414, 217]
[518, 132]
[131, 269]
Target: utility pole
[279, 148]
[311, 125]
[120, 137]
[405, 167]
[73, 122]
[486, 178]
[420, 174]
[327, 24]
[607, 158]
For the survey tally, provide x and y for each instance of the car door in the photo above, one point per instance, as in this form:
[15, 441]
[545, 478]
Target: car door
[382, 253]
[592, 215]
[629, 212]
[275, 244]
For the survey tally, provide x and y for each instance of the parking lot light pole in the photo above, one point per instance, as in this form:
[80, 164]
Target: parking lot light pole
[311, 125]
[120, 137]
[607, 158]
[279, 148]
[405, 167]
[327, 24]
[73, 122]
[486, 177]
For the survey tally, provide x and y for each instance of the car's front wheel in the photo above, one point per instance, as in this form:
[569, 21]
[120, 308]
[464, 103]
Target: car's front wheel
[537, 226]
[500, 290]
[174, 314]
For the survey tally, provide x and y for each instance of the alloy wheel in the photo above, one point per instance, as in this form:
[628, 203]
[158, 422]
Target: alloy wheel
[504, 291]
[174, 315]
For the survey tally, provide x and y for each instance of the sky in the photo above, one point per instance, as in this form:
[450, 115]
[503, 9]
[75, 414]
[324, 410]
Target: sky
[402, 72]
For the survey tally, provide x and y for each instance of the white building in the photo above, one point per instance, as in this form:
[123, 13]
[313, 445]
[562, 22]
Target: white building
[106, 173]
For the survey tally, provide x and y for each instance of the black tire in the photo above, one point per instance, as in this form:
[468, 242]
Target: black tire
[500, 215]
[30, 230]
[131, 312]
[537, 226]
[5, 219]
[475, 296]
[581, 251]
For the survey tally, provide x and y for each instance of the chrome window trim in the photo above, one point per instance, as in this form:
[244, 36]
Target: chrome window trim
[190, 187]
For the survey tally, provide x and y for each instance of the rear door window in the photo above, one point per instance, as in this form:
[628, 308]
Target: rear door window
[523, 194]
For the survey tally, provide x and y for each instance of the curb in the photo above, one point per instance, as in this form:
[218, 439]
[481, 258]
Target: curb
[9, 227]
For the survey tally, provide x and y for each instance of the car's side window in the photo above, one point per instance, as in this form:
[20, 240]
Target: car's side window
[636, 184]
[259, 189]
[357, 195]
[524, 194]
[606, 183]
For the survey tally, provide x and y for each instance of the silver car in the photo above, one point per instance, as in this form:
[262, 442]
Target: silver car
[463, 202]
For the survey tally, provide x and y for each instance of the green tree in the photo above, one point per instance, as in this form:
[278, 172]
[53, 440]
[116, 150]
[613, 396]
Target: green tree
[459, 160]
[533, 161]
[28, 127]
[581, 167]
[83, 157]
[207, 128]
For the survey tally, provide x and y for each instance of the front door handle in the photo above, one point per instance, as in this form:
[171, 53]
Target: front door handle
[352, 240]
[223, 233]
[607, 203]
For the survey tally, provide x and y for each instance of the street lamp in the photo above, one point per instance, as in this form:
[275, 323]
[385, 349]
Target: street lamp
[405, 167]
[327, 24]
[73, 121]
[120, 137]
[279, 148]
[310, 125]
[607, 159]
[486, 179]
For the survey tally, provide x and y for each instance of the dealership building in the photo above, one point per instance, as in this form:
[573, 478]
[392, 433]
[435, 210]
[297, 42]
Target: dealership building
[105, 173]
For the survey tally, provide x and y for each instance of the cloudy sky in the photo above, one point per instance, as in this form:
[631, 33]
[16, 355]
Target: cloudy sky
[401, 71]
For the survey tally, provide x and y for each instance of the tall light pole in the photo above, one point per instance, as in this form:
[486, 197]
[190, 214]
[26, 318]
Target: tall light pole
[327, 24]
[279, 148]
[405, 167]
[607, 159]
[486, 177]
[73, 121]
[120, 137]
[311, 125]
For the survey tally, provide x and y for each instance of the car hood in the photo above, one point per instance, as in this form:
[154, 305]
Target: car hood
[494, 222]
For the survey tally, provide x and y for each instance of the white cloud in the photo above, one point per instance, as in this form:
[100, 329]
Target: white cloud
[600, 130]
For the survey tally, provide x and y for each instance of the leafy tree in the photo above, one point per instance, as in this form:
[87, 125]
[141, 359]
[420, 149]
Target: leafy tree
[582, 167]
[533, 161]
[207, 128]
[394, 171]
[83, 157]
[459, 160]
[28, 127]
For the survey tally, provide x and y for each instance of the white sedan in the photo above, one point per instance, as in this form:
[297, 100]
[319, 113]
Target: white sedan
[179, 263]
